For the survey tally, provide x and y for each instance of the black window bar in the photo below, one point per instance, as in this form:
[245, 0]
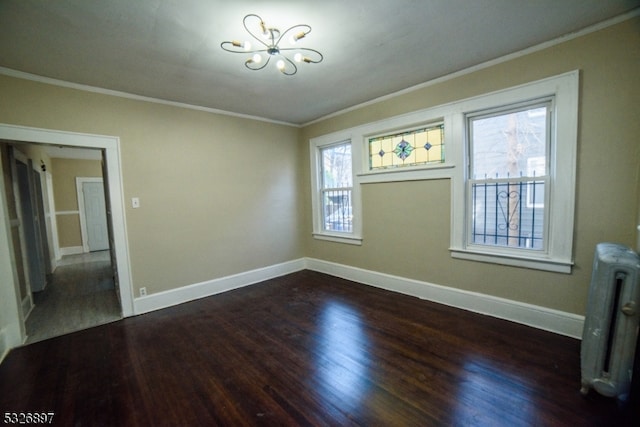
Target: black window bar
[508, 214]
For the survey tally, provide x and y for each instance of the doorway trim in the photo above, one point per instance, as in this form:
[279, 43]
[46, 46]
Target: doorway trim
[111, 149]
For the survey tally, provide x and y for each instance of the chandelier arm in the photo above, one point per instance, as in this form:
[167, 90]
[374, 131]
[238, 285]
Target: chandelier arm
[222, 45]
[249, 61]
[244, 24]
[291, 28]
[295, 68]
[305, 49]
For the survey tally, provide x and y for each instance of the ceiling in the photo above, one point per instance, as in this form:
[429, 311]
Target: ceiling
[170, 49]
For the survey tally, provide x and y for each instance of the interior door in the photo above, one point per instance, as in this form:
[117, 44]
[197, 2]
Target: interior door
[41, 222]
[96, 216]
[35, 261]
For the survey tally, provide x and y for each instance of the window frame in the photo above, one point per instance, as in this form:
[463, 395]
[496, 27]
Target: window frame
[397, 124]
[564, 90]
[324, 189]
[316, 145]
[407, 130]
[549, 104]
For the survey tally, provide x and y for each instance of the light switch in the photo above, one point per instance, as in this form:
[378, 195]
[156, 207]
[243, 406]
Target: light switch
[135, 202]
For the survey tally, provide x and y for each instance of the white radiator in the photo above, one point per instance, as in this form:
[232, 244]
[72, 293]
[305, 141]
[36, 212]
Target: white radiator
[611, 323]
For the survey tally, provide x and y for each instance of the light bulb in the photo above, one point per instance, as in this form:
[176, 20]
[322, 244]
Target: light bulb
[280, 64]
[246, 45]
[257, 58]
[297, 57]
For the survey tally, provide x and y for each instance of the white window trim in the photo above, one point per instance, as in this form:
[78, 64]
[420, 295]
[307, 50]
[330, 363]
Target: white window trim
[315, 145]
[558, 256]
[440, 114]
[563, 88]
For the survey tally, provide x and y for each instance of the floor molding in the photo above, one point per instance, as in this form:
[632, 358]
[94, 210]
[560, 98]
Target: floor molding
[9, 337]
[547, 319]
[211, 287]
[27, 307]
[71, 250]
[559, 322]
[4, 346]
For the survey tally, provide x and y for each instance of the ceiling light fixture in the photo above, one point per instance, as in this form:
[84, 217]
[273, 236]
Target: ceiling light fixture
[269, 39]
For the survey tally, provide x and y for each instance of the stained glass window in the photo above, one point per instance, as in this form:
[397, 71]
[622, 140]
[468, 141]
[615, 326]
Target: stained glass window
[416, 147]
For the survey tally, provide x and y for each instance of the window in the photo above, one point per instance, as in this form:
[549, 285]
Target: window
[421, 146]
[510, 157]
[337, 185]
[508, 176]
[513, 202]
[335, 199]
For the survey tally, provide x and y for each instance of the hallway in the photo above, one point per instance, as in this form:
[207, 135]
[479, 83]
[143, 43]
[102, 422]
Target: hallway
[81, 294]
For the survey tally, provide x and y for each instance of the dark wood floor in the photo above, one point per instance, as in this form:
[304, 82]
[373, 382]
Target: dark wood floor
[306, 349]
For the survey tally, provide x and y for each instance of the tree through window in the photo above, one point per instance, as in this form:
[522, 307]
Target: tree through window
[337, 185]
[509, 172]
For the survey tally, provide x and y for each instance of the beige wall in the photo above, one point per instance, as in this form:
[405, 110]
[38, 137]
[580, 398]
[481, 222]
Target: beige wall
[65, 195]
[63, 175]
[219, 195]
[413, 241]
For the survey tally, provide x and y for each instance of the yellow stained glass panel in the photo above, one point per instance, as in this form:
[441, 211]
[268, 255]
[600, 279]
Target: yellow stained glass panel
[411, 148]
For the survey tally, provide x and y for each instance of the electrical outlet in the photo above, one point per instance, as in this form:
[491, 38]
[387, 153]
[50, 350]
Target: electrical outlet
[143, 292]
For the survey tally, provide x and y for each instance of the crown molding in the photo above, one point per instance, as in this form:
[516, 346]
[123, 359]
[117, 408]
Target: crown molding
[63, 83]
[545, 45]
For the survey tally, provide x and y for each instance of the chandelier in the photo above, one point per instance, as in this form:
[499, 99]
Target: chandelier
[273, 44]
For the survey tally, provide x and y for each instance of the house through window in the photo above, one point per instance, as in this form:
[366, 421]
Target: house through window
[508, 176]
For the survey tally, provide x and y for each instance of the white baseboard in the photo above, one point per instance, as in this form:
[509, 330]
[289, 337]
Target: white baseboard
[27, 307]
[547, 319]
[4, 346]
[71, 250]
[9, 338]
[211, 287]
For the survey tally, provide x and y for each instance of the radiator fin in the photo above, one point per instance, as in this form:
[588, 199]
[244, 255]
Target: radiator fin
[611, 322]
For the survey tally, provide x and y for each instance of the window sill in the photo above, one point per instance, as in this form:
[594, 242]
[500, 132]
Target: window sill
[545, 264]
[350, 240]
[407, 174]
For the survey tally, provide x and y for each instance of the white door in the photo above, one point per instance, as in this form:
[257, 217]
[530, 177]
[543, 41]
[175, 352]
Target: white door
[95, 215]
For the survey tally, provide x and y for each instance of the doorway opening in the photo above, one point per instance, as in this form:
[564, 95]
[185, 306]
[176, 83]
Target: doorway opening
[75, 288]
[64, 259]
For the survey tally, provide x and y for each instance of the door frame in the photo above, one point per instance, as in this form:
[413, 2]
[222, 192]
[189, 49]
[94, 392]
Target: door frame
[81, 208]
[110, 145]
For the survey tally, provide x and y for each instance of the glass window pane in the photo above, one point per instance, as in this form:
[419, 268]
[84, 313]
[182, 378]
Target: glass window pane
[336, 166]
[512, 144]
[411, 148]
[509, 214]
[337, 211]
[337, 183]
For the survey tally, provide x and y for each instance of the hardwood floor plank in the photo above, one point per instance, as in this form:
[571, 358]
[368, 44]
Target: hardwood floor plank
[306, 349]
